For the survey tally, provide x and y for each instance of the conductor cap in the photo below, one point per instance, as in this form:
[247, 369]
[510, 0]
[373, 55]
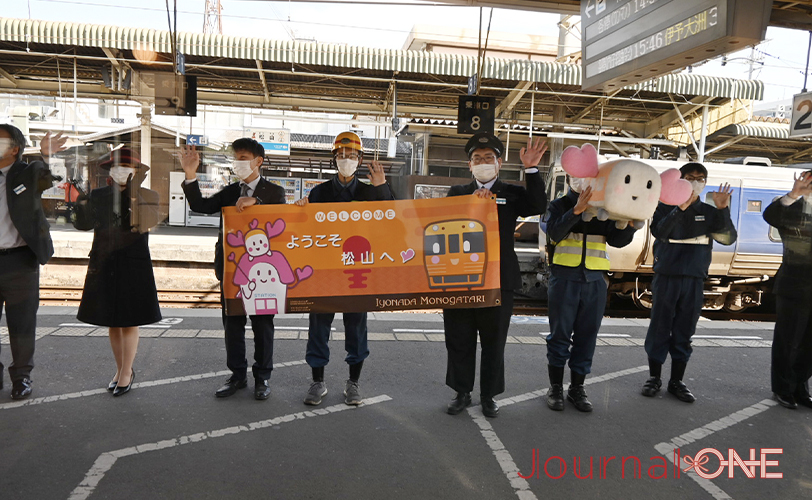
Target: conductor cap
[484, 140]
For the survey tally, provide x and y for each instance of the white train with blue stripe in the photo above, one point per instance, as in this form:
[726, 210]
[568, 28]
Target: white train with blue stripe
[740, 274]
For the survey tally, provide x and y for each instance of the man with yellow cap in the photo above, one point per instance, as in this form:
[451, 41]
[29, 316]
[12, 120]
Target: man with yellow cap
[348, 153]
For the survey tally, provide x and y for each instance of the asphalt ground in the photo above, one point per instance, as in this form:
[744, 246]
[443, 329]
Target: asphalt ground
[171, 438]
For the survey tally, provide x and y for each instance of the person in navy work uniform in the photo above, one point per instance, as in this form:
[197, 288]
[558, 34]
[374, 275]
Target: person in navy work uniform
[577, 291]
[792, 341]
[25, 243]
[683, 246]
[348, 153]
[251, 190]
[461, 325]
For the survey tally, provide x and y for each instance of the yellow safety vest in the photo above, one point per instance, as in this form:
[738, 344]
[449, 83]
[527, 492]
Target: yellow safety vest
[568, 252]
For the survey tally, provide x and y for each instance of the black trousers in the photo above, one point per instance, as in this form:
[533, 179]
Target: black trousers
[792, 345]
[262, 325]
[19, 291]
[461, 328]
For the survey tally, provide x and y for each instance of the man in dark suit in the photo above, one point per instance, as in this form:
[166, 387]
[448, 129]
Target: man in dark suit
[25, 243]
[461, 325]
[792, 340]
[251, 190]
[348, 153]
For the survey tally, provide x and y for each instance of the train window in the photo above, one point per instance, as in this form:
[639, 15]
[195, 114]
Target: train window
[434, 244]
[560, 186]
[754, 205]
[453, 243]
[473, 242]
[709, 199]
[773, 234]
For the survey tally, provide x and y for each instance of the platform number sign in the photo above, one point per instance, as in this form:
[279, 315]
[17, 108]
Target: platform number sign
[475, 114]
[801, 122]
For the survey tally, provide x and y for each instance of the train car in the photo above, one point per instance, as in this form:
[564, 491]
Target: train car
[455, 254]
[740, 274]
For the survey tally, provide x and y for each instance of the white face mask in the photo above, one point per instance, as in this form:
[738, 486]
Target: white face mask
[242, 169]
[578, 184]
[484, 172]
[346, 166]
[5, 145]
[697, 186]
[120, 174]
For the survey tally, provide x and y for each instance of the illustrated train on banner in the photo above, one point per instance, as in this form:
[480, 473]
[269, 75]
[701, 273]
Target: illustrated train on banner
[365, 256]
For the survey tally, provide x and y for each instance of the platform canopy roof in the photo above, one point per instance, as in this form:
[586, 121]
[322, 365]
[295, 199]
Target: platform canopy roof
[764, 137]
[41, 57]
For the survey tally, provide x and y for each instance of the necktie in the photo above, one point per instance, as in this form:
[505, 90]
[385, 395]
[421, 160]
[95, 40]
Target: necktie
[244, 190]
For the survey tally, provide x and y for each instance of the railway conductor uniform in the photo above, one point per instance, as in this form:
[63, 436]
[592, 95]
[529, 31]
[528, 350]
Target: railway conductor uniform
[792, 340]
[25, 243]
[682, 255]
[461, 325]
[577, 291]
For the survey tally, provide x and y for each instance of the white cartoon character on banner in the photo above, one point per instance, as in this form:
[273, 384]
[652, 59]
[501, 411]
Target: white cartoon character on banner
[263, 275]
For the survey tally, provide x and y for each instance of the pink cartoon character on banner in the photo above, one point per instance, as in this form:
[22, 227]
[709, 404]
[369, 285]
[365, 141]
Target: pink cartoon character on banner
[263, 275]
[622, 190]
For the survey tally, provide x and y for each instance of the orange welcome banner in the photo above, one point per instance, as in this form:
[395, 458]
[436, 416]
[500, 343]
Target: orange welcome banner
[362, 256]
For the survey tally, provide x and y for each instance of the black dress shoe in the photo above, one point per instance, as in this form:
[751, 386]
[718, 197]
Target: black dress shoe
[120, 390]
[555, 397]
[678, 389]
[577, 396]
[786, 401]
[489, 408]
[21, 389]
[112, 385]
[460, 402]
[231, 386]
[652, 387]
[803, 400]
[262, 389]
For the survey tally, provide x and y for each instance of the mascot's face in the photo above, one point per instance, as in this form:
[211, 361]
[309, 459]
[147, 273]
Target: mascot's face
[632, 189]
[264, 274]
[257, 244]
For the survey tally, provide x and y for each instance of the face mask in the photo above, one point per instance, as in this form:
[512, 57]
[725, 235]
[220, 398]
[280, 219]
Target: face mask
[242, 169]
[697, 186]
[484, 172]
[578, 184]
[120, 175]
[5, 145]
[347, 167]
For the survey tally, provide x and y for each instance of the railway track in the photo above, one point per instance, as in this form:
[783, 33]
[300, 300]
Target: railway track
[210, 299]
[70, 296]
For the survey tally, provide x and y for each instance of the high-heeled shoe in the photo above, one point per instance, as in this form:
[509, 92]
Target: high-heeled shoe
[119, 390]
[112, 385]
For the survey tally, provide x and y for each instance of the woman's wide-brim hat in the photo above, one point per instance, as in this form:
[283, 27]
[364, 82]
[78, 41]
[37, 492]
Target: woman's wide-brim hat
[123, 156]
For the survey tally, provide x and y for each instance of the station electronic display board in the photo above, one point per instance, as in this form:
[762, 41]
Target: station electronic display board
[628, 41]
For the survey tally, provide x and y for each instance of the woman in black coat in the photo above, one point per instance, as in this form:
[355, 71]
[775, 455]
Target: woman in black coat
[120, 290]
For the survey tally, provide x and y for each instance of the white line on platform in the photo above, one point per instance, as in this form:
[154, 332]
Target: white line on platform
[731, 337]
[136, 385]
[106, 460]
[667, 449]
[417, 330]
[304, 327]
[503, 456]
[87, 325]
[623, 335]
[526, 250]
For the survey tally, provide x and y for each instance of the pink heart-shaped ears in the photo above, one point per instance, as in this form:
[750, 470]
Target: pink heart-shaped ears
[675, 191]
[580, 162]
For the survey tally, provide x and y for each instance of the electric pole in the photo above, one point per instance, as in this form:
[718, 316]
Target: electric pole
[211, 18]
